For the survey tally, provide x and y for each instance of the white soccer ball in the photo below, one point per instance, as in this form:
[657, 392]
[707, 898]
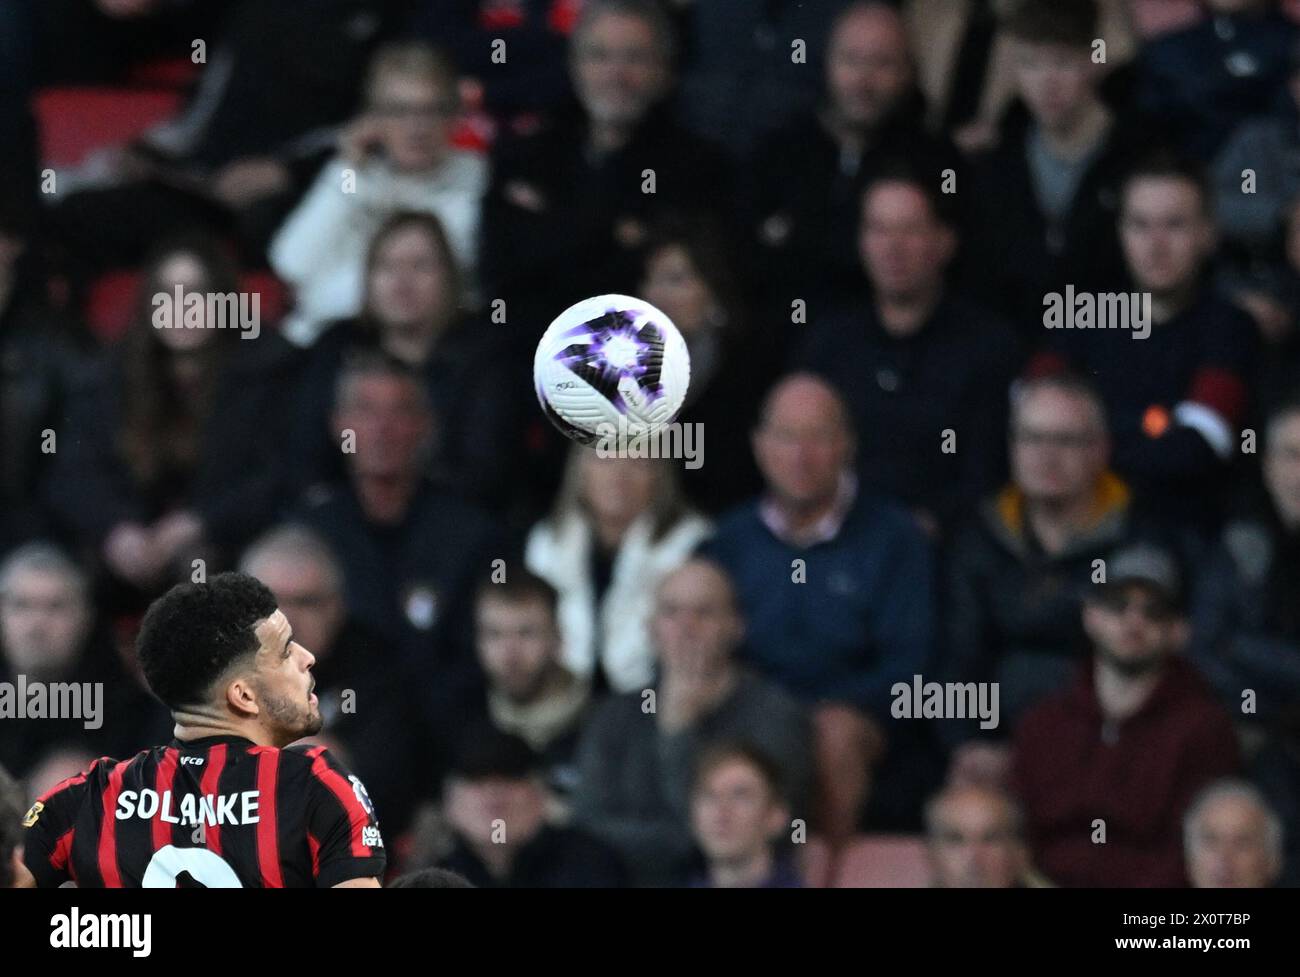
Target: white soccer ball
[611, 368]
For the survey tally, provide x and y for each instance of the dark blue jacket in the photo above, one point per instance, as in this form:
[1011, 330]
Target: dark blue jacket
[862, 620]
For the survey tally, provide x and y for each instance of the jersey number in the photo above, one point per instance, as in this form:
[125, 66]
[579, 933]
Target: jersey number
[173, 867]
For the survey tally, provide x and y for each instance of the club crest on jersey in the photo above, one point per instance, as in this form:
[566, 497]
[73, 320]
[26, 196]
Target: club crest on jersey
[362, 797]
[33, 814]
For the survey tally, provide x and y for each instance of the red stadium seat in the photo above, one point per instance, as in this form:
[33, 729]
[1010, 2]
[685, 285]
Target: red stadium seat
[177, 73]
[816, 863]
[112, 298]
[883, 862]
[75, 121]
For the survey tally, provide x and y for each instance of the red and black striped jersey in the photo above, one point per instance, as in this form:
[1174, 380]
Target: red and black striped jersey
[215, 812]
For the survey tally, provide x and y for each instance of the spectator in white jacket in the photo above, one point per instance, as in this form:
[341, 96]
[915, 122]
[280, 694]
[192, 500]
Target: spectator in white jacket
[619, 526]
[397, 156]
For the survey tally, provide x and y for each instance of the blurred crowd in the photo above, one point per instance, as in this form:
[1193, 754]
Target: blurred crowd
[860, 214]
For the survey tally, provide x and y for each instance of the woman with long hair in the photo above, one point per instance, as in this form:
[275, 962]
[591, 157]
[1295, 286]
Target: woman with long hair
[617, 527]
[172, 445]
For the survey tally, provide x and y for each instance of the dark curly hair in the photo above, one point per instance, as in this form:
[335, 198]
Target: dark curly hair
[195, 631]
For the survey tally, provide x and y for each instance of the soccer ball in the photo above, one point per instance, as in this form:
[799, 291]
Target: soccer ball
[611, 368]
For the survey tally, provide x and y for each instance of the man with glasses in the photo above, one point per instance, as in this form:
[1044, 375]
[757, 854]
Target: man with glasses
[1014, 573]
[1107, 768]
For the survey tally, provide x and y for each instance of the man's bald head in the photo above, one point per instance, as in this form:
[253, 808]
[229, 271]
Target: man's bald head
[804, 441]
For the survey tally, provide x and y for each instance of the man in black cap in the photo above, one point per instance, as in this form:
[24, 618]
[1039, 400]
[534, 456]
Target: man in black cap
[495, 802]
[1107, 768]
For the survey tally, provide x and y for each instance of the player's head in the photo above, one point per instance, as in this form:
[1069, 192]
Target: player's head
[11, 839]
[221, 655]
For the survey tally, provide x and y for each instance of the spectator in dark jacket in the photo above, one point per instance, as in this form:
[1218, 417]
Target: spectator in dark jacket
[1016, 573]
[530, 694]
[751, 67]
[568, 205]
[49, 633]
[640, 749]
[42, 354]
[1206, 78]
[836, 586]
[412, 554]
[802, 194]
[690, 272]
[176, 435]
[496, 806]
[1248, 610]
[924, 371]
[413, 313]
[1043, 203]
[1107, 769]
[1174, 372]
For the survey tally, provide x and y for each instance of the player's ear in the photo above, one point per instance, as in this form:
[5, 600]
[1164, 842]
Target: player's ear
[241, 696]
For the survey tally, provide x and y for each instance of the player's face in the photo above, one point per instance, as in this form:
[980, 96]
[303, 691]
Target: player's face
[905, 250]
[1165, 234]
[734, 813]
[867, 67]
[618, 69]
[516, 643]
[1228, 847]
[1054, 80]
[1057, 448]
[416, 115]
[284, 683]
[1133, 626]
[974, 846]
[1282, 468]
[43, 622]
[408, 280]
